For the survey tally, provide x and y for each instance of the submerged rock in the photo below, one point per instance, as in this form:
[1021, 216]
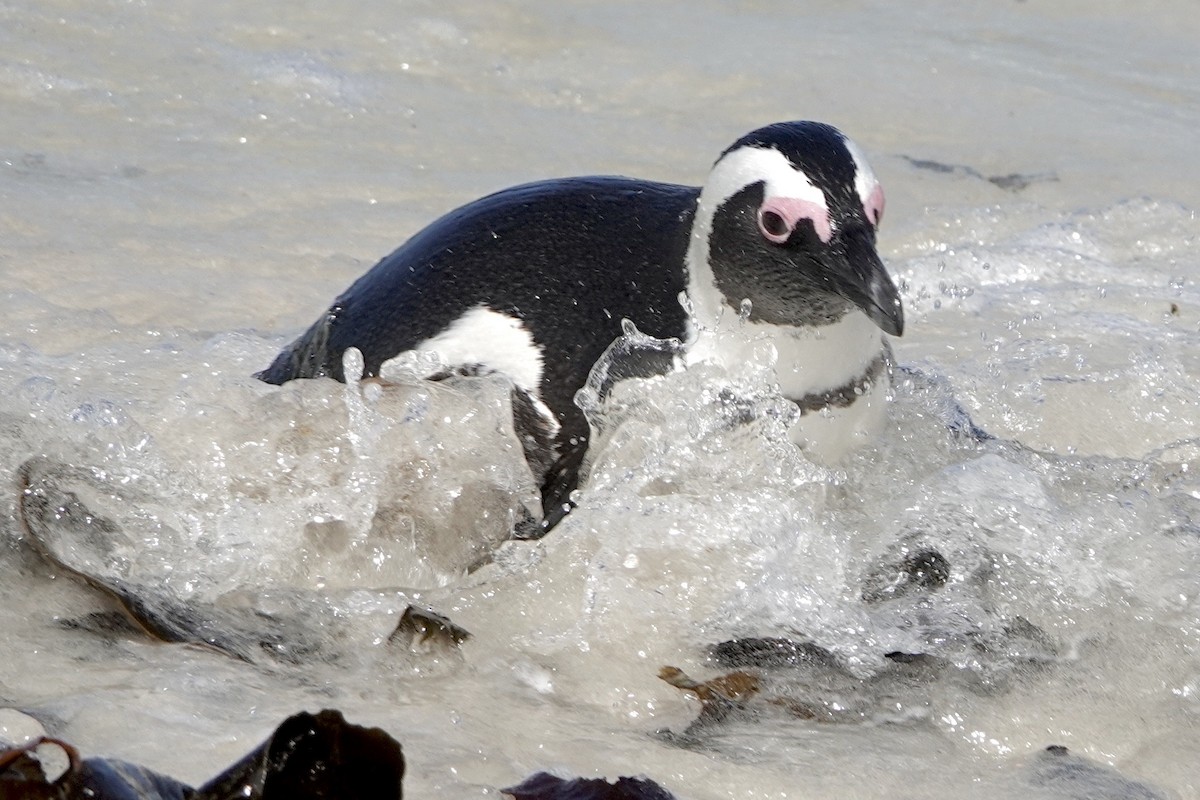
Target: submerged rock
[543, 786]
[923, 569]
[769, 652]
[423, 630]
[779, 678]
[309, 757]
[1072, 777]
[68, 536]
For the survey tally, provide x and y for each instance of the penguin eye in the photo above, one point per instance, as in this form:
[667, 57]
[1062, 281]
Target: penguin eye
[779, 216]
[773, 226]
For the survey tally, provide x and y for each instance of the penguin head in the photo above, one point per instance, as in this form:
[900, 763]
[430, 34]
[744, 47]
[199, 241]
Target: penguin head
[787, 219]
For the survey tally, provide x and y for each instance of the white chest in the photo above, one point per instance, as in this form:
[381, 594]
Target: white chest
[837, 373]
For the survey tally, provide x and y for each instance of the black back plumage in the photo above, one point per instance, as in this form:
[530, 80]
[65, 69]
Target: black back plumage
[570, 258]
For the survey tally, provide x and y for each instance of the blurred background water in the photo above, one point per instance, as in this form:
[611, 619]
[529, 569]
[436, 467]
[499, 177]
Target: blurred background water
[185, 186]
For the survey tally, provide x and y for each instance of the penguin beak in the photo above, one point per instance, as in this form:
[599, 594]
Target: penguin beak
[862, 279]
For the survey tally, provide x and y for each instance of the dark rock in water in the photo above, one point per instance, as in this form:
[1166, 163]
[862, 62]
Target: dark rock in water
[543, 786]
[781, 679]
[421, 629]
[1013, 182]
[1074, 778]
[1016, 181]
[1020, 642]
[22, 777]
[105, 779]
[309, 757]
[69, 537]
[924, 569]
[917, 588]
[937, 166]
[315, 756]
[920, 659]
[769, 652]
[21, 774]
[800, 680]
[107, 624]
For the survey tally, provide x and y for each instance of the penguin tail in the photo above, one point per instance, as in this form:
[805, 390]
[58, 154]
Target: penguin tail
[310, 356]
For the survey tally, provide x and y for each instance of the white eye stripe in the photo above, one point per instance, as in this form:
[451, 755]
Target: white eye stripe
[869, 190]
[749, 165]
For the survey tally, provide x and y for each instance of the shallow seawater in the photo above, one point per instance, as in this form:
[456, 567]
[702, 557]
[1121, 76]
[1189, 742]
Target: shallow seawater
[182, 190]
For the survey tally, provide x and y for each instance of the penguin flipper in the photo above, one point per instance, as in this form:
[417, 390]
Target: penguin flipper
[557, 487]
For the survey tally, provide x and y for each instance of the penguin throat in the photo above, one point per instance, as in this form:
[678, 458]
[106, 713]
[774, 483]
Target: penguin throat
[845, 395]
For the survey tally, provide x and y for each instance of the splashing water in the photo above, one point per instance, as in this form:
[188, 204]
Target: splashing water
[1028, 586]
[1013, 565]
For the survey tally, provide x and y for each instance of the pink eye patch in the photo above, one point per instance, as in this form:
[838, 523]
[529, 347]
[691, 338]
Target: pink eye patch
[873, 206]
[779, 216]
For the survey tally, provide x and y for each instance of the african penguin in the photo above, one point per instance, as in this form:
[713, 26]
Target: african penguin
[535, 281]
